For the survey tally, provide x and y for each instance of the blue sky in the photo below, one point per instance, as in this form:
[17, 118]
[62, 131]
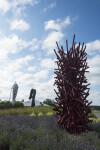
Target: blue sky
[29, 30]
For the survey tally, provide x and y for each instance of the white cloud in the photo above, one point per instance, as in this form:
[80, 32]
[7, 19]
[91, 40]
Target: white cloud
[8, 45]
[34, 44]
[66, 22]
[23, 61]
[50, 41]
[9, 72]
[26, 81]
[48, 63]
[52, 5]
[29, 79]
[23, 2]
[9, 67]
[32, 69]
[51, 24]
[19, 25]
[19, 11]
[43, 74]
[4, 6]
[94, 70]
[45, 89]
[94, 61]
[26, 77]
[15, 6]
[13, 44]
[15, 69]
[93, 47]
[57, 24]
[20, 5]
[94, 97]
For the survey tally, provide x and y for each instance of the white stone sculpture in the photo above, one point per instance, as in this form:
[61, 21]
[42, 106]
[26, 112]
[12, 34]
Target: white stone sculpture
[14, 91]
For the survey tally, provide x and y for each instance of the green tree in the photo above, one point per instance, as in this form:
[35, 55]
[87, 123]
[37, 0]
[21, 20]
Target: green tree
[49, 102]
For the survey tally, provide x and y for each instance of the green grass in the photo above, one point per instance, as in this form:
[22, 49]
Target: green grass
[96, 111]
[37, 110]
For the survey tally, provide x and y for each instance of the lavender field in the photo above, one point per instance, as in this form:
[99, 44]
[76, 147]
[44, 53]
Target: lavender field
[25, 132]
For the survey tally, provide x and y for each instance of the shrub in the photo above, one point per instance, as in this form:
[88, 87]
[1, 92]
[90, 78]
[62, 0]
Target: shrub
[18, 104]
[5, 105]
[92, 115]
[8, 104]
[49, 102]
[95, 107]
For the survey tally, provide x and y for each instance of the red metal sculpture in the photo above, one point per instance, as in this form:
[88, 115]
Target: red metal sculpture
[71, 106]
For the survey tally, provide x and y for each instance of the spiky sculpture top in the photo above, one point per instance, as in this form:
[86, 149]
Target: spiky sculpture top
[71, 106]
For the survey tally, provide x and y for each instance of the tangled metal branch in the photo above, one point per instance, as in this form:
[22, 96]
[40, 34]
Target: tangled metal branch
[71, 106]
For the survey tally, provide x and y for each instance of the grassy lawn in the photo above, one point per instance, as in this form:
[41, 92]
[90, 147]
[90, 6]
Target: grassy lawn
[96, 111]
[37, 110]
[36, 129]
